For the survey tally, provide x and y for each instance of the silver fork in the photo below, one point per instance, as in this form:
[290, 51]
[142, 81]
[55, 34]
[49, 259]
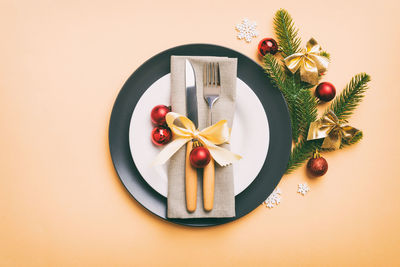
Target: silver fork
[212, 86]
[211, 92]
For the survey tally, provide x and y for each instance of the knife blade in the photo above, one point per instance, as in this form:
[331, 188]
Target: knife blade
[191, 97]
[191, 113]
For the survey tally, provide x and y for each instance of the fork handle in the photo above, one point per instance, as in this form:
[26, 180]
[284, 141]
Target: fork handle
[209, 116]
[209, 177]
[190, 181]
[208, 186]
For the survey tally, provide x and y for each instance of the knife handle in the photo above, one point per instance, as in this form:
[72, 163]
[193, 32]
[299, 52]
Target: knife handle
[190, 181]
[208, 185]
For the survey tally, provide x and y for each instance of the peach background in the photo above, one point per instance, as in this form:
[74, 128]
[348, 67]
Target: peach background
[62, 64]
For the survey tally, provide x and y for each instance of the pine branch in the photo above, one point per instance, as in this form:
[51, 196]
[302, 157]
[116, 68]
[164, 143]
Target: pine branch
[276, 73]
[306, 105]
[286, 85]
[304, 150]
[294, 118]
[352, 141]
[302, 104]
[293, 87]
[286, 33]
[344, 105]
[301, 152]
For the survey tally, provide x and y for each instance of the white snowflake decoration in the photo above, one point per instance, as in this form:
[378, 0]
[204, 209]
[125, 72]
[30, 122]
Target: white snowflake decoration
[247, 30]
[274, 199]
[303, 189]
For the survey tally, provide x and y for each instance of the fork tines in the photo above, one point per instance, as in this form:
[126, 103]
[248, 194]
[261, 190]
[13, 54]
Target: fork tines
[211, 74]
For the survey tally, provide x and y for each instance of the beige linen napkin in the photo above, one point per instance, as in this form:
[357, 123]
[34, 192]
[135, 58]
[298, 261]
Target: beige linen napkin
[224, 197]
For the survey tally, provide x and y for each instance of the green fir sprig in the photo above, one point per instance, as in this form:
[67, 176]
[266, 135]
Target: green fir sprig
[301, 103]
[344, 105]
[301, 152]
[347, 101]
[306, 110]
[286, 33]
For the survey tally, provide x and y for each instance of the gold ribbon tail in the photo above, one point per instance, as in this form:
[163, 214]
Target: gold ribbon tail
[222, 156]
[169, 150]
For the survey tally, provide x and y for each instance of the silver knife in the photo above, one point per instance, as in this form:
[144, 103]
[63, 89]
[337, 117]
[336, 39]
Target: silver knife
[191, 113]
[191, 97]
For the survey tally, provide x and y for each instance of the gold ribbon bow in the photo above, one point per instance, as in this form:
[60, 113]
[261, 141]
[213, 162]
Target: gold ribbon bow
[329, 127]
[209, 137]
[311, 63]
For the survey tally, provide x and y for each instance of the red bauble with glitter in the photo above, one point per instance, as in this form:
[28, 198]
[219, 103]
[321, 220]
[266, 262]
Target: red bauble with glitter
[199, 157]
[325, 91]
[158, 114]
[161, 135]
[267, 46]
[317, 165]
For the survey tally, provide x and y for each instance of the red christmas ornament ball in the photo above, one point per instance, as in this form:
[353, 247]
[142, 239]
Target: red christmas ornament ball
[267, 45]
[158, 114]
[317, 165]
[325, 91]
[199, 157]
[161, 135]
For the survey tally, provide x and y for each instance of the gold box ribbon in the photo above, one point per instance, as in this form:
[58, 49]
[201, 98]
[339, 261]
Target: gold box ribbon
[329, 127]
[310, 62]
[210, 137]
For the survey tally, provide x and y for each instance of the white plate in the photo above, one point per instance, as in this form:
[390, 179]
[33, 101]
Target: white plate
[249, 137]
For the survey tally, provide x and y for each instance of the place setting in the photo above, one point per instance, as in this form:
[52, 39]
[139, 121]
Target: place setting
[199, 136]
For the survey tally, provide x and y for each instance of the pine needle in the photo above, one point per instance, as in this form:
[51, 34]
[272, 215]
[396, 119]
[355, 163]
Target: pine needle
[307, 111]
[345, 104]
[286, 33]
[352, 141]
[275, 72]
[286, 85]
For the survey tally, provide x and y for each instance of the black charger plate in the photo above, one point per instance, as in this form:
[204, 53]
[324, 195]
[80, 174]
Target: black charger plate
[253, 75]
